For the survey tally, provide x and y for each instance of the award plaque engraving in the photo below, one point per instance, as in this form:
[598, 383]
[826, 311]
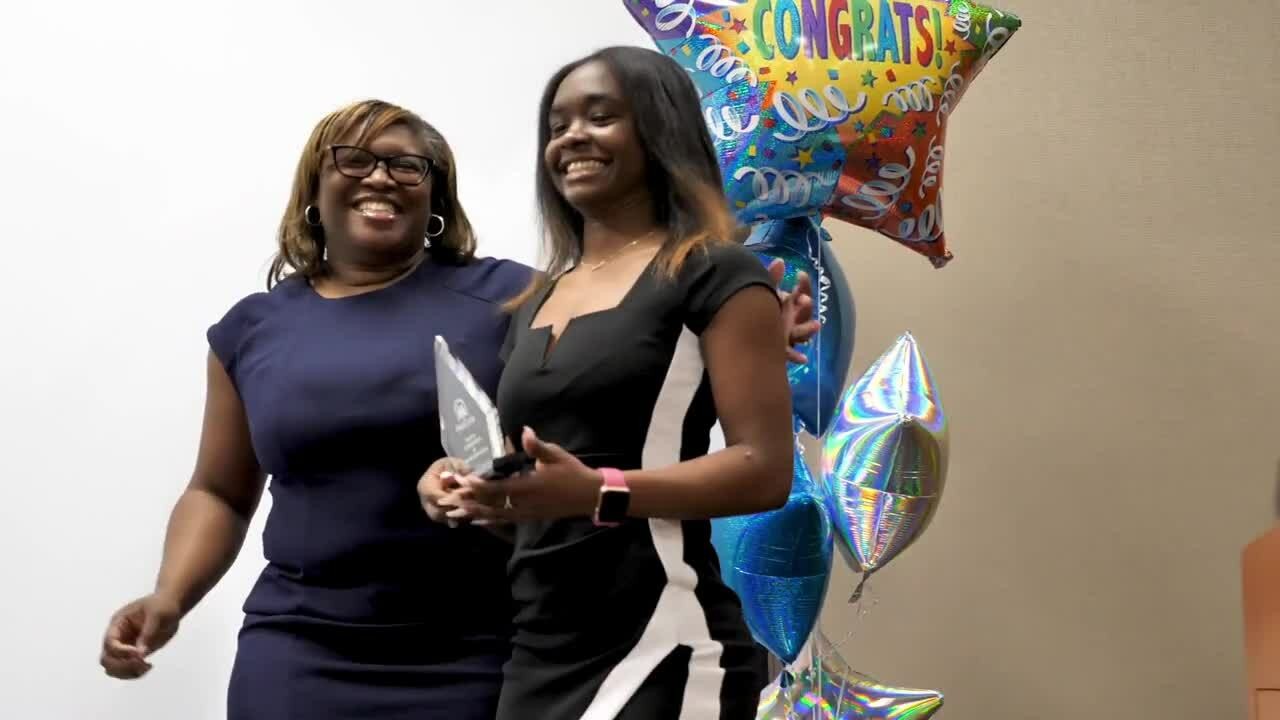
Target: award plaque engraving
[469, 426]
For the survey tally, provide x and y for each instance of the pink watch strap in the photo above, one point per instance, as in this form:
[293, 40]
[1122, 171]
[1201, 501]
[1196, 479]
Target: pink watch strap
[613, 477]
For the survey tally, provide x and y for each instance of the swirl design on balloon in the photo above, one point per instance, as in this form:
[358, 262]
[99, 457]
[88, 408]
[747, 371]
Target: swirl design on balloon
[923, 228]
[963, 20]
[997, 36]
[914, 95]
[951, 91]
[780, 187]
[877, 197]
[720, 62]
[932, 166]
[927, 226]
[810, 111]
[825, 285]
[673, 14]
[729, 125]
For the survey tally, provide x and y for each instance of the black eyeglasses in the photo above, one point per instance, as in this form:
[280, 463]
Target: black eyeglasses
[356, 162]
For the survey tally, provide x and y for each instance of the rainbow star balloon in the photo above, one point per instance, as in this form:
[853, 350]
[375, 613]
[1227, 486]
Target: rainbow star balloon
[884, 461]
[828, 689]
[832, 105]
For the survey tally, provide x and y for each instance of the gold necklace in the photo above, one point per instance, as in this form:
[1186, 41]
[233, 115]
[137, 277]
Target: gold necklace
[596, 266]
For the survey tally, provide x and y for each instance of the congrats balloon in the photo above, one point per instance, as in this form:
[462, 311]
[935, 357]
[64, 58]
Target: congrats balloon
[779, 563]
[832, 105]
[884, 462]
[803, 245]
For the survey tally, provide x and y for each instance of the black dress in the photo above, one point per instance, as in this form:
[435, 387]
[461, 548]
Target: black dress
[366, 608]
[631, 622]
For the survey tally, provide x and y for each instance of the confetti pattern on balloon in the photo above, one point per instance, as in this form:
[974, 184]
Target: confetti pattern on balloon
[884, 461]
[803, 245]
[779, 564]
[828, 689]
[832, 105]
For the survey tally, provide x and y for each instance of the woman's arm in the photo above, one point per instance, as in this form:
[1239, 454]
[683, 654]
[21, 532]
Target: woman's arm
[208, 524]
[206, 530]
[752, 474]
[753, 400]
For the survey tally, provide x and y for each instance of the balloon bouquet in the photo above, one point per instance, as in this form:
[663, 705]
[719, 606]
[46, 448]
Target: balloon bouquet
[834, 109]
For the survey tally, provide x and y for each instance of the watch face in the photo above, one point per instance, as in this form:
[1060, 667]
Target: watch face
[613, 505]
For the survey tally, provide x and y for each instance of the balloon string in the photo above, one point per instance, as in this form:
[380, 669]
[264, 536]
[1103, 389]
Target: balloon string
[864, 600]
[857, 592]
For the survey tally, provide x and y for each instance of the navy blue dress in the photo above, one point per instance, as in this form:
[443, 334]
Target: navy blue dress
[366, 608]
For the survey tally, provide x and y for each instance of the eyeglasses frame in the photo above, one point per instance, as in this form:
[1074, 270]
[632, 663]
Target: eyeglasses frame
[384, 160]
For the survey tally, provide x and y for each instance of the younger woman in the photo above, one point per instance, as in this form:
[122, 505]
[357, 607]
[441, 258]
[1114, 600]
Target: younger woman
[652, 326]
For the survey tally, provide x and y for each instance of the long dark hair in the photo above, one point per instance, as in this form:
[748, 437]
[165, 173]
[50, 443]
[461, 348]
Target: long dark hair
[683, 174]
[300, 246]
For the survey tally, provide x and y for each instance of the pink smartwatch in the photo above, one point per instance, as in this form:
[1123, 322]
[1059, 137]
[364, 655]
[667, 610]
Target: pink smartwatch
[615, 497]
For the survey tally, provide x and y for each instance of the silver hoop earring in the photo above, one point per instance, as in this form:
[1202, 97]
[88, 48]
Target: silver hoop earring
[312, 215]
[437, 233]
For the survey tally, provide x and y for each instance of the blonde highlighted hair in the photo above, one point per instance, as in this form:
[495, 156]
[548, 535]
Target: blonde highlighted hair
[301, 245]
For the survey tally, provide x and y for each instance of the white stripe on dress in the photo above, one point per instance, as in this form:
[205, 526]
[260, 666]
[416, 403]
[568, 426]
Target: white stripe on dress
[678, 618]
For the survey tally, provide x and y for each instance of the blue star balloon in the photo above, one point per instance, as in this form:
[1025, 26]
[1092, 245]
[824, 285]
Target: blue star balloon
[804, 245]
[779, 563]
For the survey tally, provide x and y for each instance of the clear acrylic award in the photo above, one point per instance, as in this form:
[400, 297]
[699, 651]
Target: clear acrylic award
[469, 426]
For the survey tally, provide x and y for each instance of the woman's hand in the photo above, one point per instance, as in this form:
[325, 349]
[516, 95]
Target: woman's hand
[436, 483]
[798, 323]
[135, 631]
[559, 486]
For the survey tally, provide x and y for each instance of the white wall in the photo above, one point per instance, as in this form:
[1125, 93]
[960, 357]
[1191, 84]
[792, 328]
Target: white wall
[146, 155]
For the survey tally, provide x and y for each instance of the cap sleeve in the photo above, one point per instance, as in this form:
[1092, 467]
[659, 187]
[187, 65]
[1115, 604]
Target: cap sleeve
[716, 276]
[226, 336]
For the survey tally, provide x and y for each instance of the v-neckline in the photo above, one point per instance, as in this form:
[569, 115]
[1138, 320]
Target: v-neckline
[552, 339]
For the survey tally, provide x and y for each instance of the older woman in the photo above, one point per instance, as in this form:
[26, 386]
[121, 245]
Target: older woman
[326, 383]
